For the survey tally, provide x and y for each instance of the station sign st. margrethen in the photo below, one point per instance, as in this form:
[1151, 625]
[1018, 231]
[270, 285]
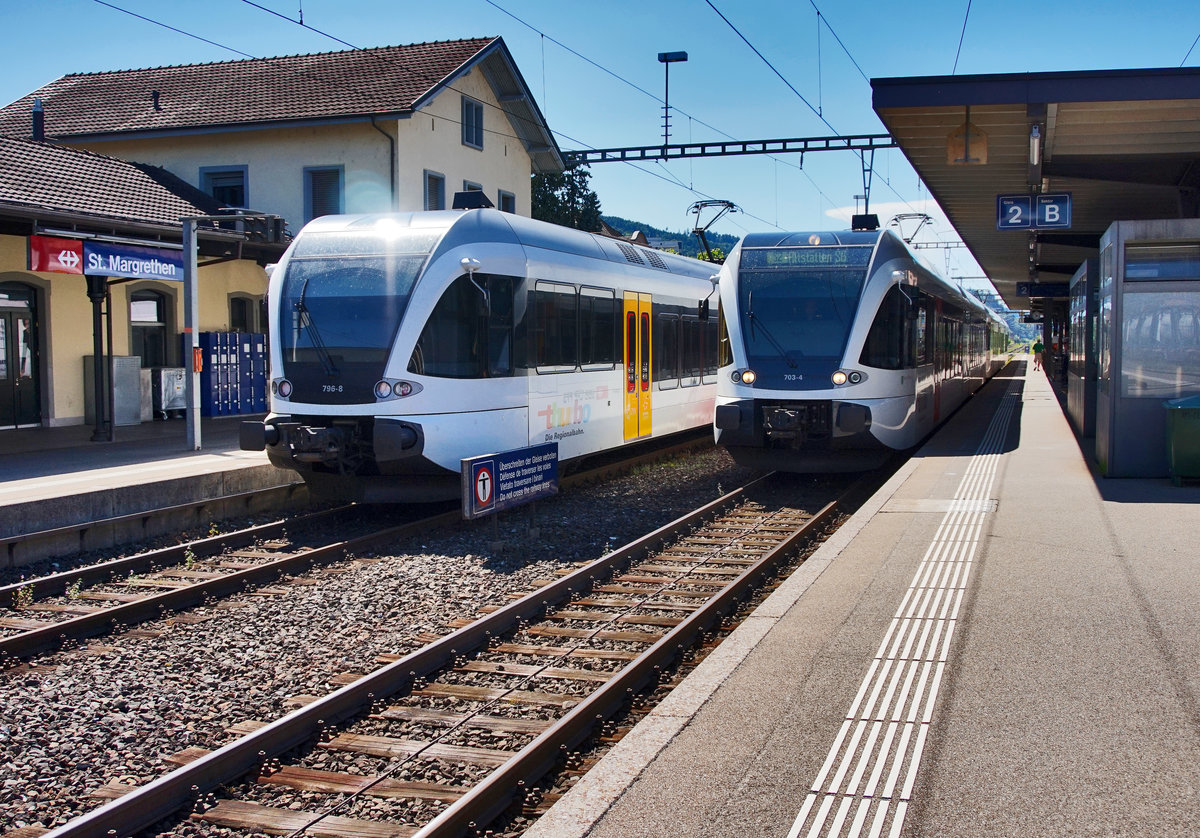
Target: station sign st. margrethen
[51, 254]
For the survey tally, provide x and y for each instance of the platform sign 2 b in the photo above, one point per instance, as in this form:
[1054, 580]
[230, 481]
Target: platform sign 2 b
[495, 482]
[1033, 212]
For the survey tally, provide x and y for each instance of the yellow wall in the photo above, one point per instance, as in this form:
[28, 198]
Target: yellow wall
[65, 319]
[276, 158]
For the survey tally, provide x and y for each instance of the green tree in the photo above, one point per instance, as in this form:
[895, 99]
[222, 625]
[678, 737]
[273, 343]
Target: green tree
[566, 199]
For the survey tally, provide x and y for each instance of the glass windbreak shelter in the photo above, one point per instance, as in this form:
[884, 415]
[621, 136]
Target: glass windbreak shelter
[1081, 368]
[1147, 340]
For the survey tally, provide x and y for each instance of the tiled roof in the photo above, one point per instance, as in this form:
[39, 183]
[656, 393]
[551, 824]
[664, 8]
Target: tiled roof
[43, 176]
[296, 87]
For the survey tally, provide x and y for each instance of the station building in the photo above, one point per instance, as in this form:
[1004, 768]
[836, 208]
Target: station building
[369, 130]
[388, 129]
[62, 206]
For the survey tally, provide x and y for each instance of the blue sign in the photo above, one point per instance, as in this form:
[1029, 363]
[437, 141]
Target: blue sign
[1014, 212]
[1054, 210]
[1026, 212]
[1043, 289]
[131, 261]
[495, 482]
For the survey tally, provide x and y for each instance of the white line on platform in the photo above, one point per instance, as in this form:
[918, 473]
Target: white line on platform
[918, 638]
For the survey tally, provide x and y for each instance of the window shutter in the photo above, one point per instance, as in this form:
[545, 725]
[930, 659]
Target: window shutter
[325, 186]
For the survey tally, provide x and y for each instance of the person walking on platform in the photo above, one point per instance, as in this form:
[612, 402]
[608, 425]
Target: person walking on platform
[1038, 349]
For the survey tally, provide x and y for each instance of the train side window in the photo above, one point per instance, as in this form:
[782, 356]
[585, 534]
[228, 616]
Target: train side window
[555, 338]
[666, 351]
[468, 335]
[724, 350]
[922, 335]
[598, 321]
[885, 347]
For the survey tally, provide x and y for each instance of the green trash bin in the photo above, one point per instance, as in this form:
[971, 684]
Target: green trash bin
[1183, 438]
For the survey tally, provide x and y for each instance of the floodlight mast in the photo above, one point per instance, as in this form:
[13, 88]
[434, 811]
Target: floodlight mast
[667, 59]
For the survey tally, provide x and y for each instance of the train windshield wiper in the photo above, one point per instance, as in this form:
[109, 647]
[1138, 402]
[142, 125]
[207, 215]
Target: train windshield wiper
[766, 332]
[314, 337]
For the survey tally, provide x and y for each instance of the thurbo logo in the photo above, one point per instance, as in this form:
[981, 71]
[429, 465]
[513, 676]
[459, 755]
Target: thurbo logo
[563, 415]
[574, 409]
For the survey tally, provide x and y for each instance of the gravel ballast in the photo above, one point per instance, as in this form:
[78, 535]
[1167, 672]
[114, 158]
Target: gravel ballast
[115, 708]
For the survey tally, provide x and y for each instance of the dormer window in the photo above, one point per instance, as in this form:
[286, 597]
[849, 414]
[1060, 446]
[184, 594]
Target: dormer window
[472, 123]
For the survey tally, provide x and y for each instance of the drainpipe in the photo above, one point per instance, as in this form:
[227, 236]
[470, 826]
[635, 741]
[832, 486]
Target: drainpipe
[391, 161]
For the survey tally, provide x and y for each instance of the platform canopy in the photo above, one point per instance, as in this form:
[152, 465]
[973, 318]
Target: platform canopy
[1123, 144]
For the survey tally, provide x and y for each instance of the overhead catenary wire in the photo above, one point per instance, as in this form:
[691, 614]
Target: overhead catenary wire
[645, 92]
[174, 29]
[827, 123]
[1189, 52]
[352, 46]
[418, 73]
[961, 35]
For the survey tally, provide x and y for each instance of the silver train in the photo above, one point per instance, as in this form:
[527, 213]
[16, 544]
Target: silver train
[404, 343]
[842, 348]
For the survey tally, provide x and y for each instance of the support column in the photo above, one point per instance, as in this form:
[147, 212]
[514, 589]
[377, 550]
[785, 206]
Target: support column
[97, 290]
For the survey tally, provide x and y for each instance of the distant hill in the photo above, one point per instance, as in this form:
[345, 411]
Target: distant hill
[689, 245]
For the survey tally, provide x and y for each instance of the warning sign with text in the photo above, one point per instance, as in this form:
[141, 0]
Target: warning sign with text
[494, 482]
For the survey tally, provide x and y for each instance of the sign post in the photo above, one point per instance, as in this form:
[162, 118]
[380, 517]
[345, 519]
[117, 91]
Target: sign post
[191, 334]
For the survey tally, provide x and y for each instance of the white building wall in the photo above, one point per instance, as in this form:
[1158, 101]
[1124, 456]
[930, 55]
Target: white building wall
[434, 134]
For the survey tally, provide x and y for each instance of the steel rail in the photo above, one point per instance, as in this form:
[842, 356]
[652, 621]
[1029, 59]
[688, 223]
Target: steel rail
[142, 808]
[10, 542]
[58, 583]
[51, 637]
[491, 797]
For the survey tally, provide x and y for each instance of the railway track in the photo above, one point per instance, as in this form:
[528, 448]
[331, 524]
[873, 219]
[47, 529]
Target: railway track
[445, 739]
[44, 614]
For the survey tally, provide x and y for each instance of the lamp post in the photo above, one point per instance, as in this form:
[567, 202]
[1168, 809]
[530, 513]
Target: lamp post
[667, 59]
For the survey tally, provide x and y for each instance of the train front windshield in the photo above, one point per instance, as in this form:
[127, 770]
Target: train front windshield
[796, 305]
[343, 296]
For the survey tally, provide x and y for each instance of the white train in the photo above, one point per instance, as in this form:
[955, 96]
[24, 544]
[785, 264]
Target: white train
[404, 343]
[842, 348]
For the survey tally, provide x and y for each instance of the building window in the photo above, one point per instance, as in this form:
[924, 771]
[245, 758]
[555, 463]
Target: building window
[324, 191]
[507, 202]
[472, 123]
[469, 186]
[225, 183]
[245, 315]
[435, 191]
[148, 327]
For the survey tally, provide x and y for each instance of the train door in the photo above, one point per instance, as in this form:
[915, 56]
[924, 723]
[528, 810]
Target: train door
[20, 404]
[637, 365]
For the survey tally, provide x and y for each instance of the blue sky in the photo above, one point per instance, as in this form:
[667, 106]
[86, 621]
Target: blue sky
[724, 90]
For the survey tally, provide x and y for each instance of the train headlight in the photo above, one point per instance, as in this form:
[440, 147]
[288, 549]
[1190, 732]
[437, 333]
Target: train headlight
[855, 377]
[839, 378]
[386, 390]
[745, 377]
[281, 388]
[842, 377]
